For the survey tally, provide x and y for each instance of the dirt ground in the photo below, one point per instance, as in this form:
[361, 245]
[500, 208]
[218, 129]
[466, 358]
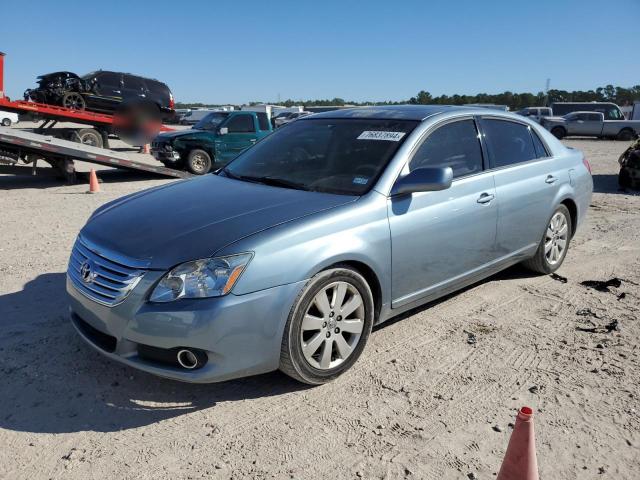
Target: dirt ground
[432, 397]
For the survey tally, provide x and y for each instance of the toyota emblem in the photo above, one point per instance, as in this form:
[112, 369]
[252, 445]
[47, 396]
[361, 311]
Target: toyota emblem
[87, 271]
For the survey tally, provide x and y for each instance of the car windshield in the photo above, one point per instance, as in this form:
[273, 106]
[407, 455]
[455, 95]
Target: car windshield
[342, 156]
[211, 121]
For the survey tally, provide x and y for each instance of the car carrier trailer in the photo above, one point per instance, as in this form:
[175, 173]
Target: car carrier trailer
[16, 145]
[61, 146]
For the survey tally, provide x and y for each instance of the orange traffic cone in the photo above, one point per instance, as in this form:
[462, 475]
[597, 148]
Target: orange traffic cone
[145, 148]
[520, 461]
[94, 186]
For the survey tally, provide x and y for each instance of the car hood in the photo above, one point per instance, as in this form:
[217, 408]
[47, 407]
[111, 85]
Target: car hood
[193, 219]
[181, 133]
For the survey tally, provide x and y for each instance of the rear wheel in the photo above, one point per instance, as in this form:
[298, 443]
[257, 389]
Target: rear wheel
[328, 326]
[88, 136]
[198, 162]
[554, 244]
[6, 122]
[559, 132]
[626, 135]
[74, 101]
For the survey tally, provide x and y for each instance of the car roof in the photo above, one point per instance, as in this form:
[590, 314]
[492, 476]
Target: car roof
[394, 112]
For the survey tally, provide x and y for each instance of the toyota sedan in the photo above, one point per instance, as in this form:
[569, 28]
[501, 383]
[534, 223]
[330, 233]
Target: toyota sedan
[287, 257]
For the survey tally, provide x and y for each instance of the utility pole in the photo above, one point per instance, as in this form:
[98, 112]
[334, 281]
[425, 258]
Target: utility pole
[546, 92]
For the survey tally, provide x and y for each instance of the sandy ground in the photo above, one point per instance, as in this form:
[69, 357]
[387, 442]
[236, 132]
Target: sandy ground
[422, 402]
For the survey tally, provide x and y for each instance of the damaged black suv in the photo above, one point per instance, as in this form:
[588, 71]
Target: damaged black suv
[100, 91]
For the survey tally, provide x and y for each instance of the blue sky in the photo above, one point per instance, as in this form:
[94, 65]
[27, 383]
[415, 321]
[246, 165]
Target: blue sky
[240, 51]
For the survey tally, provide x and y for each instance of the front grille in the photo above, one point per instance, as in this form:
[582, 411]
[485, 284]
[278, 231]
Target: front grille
[102, 280]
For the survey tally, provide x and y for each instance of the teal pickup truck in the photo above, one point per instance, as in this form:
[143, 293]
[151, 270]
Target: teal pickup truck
[212, 142]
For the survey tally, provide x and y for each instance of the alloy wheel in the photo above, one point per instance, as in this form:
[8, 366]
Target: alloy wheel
[74, 101]
[332, 325]
[555, 241]
[198, 163]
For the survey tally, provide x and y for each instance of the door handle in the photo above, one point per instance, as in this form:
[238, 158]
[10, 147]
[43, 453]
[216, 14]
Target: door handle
[550, 179]
[486, 197]
[253, 140]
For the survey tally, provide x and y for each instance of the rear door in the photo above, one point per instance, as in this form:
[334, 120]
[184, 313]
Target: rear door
[133, 89]
[241, 135]
[440, 238]
[527, 181]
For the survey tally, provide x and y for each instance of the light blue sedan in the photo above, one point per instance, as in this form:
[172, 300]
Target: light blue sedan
[287, 257]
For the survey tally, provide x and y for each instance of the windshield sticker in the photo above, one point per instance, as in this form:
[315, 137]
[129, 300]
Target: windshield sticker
[379, 135]
[360, 180]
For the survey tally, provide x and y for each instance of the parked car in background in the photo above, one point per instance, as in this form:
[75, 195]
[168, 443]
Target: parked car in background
[8, 118]
[535, 113]
[212, 142]
[591, 124]
[191, 117]
[283, 119]
[288, 256]
[101, 91]
[611, 111]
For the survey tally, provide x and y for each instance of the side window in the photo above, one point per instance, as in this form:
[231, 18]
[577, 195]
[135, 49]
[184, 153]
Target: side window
[241, 124]
[454, 145]
[541, 152]
[594, 117]
[263, 121]
[508, 142]
[133, 83]
[111, 80]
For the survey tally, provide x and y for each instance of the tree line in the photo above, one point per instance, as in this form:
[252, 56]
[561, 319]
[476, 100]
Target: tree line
[515, 101]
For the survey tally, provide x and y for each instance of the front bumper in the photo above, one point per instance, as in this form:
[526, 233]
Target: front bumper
[241, 334]
[166, 156]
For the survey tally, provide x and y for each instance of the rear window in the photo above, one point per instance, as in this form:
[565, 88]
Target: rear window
[263, 121]
[508, 142]
[157, 87]
[541, 151]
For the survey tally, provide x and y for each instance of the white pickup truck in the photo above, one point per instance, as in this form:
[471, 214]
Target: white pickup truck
[591, 124]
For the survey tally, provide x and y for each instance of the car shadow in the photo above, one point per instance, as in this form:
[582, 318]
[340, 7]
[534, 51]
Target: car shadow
[54, 383]
[608, 183]
[512, 273]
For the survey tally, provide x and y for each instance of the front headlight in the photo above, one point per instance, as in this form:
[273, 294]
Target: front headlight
[208, 277]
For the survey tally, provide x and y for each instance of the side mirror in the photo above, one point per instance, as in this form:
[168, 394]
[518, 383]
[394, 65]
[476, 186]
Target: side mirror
[423, 180]
[223, 131]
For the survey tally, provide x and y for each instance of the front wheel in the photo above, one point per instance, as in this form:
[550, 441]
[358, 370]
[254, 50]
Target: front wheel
[6, 122]
[554, 244]
[74, 101]
[198, 162]
[328, 326]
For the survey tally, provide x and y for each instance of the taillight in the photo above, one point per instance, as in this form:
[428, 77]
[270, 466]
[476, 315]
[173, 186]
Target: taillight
[172, 102]
[586, 164]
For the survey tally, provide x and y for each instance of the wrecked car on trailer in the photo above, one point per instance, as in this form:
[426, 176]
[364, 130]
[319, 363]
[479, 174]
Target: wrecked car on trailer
[102, 91]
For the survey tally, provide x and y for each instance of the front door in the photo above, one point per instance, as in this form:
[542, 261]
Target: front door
[440, 238]
[241, 134]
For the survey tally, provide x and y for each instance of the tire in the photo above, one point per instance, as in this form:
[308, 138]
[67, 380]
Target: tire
[543, 262]
[626, 135]
[6, 122]
[74, 101]
[319, 345]
[198, 162]
[88, 136]
[559, 132]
